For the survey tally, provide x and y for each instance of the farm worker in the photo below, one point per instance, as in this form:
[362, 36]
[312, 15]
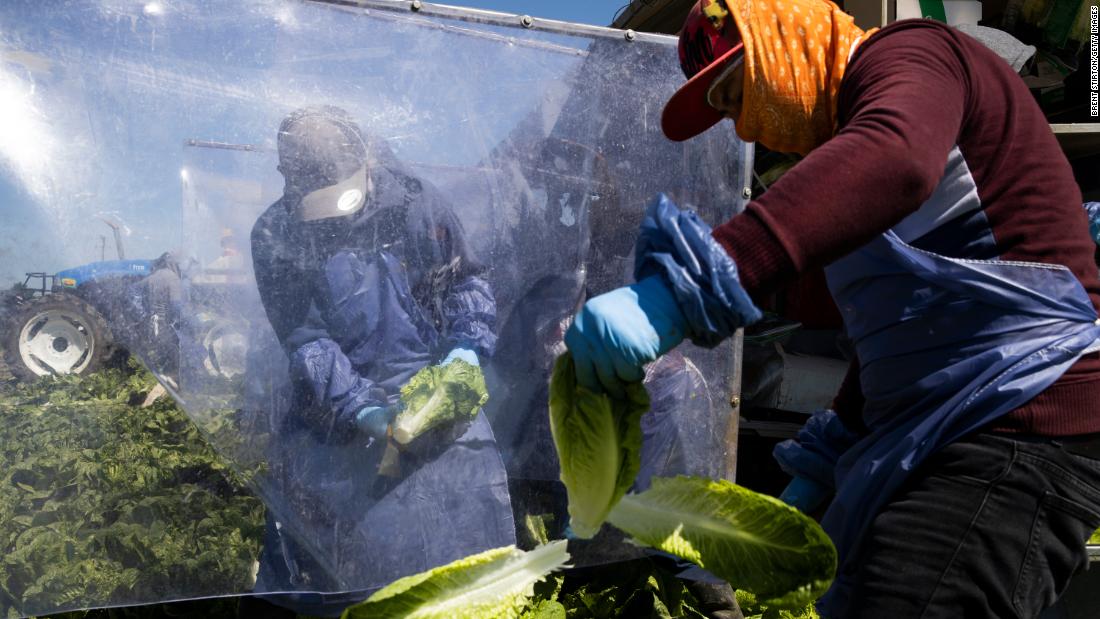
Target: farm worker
[962, 453]
[365, 277]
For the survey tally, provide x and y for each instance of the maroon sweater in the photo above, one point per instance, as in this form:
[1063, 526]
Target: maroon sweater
[918, 95]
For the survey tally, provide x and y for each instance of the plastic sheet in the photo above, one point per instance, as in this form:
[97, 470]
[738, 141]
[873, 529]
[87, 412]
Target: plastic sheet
[161, 118]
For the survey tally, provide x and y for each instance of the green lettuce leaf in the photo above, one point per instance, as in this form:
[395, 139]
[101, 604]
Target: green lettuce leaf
[439, 395]
[599, 444]
[493, 584]
[755, 542]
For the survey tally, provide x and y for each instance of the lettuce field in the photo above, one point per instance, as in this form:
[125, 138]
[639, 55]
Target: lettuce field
[104, 499]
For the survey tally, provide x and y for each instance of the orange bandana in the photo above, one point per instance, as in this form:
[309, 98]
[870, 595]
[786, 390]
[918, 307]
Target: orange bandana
[795, 55]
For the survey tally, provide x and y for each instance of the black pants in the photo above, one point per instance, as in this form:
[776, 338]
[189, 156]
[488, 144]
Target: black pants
[990, 526]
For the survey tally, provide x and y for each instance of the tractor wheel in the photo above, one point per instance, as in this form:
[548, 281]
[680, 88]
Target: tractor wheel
[55, 334]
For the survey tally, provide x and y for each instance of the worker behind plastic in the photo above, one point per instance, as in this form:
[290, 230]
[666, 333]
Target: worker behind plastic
[366, 280]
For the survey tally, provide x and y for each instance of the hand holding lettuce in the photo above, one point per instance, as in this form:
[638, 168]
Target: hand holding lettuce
[439, 395]
[687, 287]
[437, 398]
[617, 333]
[375, 420]
[753, 541]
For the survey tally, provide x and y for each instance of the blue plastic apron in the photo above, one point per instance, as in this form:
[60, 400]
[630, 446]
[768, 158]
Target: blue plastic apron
[364, 532]
[945, 347]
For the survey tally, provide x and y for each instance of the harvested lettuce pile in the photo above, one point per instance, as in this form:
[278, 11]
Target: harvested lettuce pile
[599, 444]
[494, 583]
[439, 395]
[508, 583]
[627, 590]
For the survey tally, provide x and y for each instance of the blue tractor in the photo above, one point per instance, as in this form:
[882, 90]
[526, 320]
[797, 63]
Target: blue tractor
[77, 320]
[61, 323]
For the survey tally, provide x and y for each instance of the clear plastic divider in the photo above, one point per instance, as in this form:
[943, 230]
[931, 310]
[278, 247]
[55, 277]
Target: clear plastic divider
[499, 178]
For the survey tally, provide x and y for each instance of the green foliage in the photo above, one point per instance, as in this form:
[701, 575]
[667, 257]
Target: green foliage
[439, 395]
[753, 541]
[752, 609]
[495, 584]
[102, 501]
[629, 590]
[546, 609]
[599, 443]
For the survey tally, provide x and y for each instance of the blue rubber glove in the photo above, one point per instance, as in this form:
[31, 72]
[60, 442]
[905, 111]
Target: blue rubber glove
[814, 452]
[375, 420]
[804, 494]
[1092, 209]
[465, 354]
[568, 532]
[679, 247]
[617, 333]
[811, 457]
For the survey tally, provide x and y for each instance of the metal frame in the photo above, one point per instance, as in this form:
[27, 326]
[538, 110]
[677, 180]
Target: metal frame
[438, 24]
[44, 277]
[253, 148]
[733, 423]
[1078, 140]
[737, 342]
[227, 146]
[748, 171]
[1066, 128]
[494, 18]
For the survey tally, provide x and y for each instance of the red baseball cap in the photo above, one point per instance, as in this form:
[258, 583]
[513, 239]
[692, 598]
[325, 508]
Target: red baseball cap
[709, 42]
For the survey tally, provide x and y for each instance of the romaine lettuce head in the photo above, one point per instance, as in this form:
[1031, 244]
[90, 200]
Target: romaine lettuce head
[495, 584]
[599, 444]
[439, 395]
[753, 541]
